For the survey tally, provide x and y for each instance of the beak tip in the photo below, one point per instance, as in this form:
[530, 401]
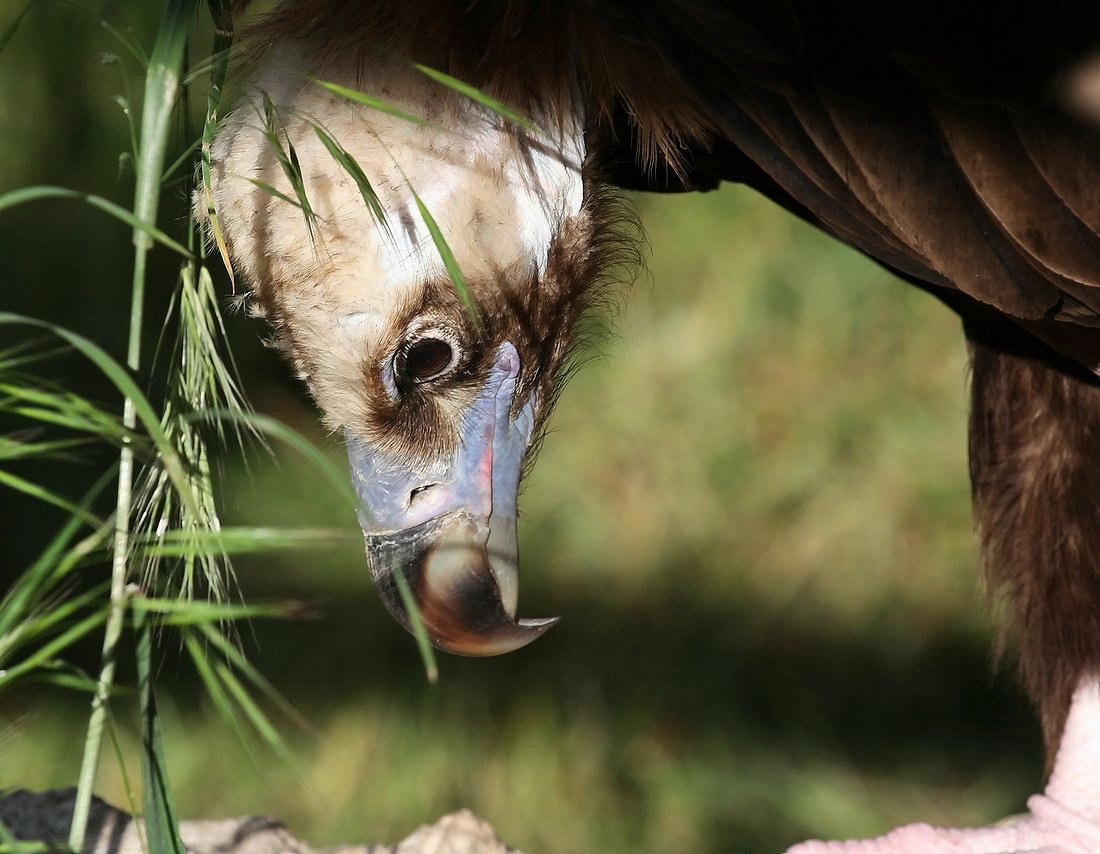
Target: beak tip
[497, 638]
[541, 624]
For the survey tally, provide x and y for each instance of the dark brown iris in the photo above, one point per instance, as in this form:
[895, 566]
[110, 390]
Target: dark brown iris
[426, 359]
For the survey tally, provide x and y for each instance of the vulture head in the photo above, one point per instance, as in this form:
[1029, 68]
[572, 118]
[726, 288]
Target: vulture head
[440, 390]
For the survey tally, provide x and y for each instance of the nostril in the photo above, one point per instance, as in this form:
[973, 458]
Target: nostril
[419, 492]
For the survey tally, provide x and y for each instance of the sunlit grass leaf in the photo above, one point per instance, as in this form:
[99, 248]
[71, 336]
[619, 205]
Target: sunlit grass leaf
[39, 400]
[239, 540]
[129, 389]
[180, 612]
[351, 166]
[200, 378]
[45, 654]
[216, 690]
[239, 661]
[445, 253]
[287, 158]
[475, 94]
[254, 714]
[23, 195]
[215, 223]
[53, 613]
[271, 191]
[369, 101]
[221, 13]
[68, 680]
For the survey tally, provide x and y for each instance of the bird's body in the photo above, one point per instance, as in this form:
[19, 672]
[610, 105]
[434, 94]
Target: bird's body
[940, 146]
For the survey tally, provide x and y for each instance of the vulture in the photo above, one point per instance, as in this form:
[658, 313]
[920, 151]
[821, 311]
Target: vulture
[434, 318]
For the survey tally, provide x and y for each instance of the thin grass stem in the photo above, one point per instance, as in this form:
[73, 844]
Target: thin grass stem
[161, 91]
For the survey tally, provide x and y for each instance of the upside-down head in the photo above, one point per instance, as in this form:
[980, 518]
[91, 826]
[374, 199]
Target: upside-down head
[441, 399]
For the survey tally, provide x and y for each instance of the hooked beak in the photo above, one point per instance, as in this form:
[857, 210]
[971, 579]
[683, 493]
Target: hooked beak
[449, 529]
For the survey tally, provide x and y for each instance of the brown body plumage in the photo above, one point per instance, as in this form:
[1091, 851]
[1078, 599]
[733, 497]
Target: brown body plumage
[938, 145]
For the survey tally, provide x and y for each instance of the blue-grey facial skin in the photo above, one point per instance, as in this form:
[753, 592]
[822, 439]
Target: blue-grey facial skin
[449, 527]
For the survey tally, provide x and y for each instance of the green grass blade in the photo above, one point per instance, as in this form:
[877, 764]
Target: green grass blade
[475, 94]
[12, 448]
[254, 714]
[271, 191]
[147, 229]
[131, 802]
[27, 353]
[215, 690]
[427, 654]
[68, 681]
[63, 409]
[129, 389]
[161, 826]
[369, 101]
[109, 431]
[445, 253]
[30, 588]
[47, 651]
[221, 13]
[44, 619]
[240, 540]
[287, 158]
[187, 613]
[184, 156]
[352, 167]
[162, 86]
[235, 657]
[218, 59]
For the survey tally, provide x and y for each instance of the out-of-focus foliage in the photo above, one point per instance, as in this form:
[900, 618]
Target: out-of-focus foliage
[752, 515]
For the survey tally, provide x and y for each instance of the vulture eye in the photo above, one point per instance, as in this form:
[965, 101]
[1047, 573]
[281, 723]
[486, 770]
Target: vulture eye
[425, 359]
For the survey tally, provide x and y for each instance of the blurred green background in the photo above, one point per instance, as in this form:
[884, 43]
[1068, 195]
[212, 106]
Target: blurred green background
[751, 513]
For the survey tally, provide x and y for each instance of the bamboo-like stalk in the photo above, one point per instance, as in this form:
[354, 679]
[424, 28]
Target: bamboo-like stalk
[162, 84]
